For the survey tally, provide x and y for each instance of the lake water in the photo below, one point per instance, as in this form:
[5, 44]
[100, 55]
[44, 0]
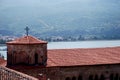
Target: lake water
[78, 44]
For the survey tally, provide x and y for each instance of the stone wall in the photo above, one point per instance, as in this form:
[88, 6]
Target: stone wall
[26, 54]
[100, 72]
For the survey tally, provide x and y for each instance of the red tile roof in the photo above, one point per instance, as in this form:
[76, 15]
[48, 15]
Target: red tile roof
[27, 40]
[78, 57]
[82, 57]
[75, 57]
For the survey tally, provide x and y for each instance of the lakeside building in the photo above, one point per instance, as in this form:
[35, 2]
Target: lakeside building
[29, 59]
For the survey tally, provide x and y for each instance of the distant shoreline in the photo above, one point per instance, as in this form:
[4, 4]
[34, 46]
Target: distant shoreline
[77, 41]
[87, 40]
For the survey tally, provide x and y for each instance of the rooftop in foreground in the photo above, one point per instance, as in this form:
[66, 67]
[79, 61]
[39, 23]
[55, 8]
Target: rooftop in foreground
[3, 62]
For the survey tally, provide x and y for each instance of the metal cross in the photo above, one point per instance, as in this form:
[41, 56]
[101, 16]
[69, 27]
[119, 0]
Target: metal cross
[27, 29]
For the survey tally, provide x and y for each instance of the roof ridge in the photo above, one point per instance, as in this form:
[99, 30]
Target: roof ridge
[27, 40]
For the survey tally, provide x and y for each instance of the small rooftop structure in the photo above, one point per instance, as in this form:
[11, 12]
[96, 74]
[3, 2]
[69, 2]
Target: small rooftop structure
[26, 50]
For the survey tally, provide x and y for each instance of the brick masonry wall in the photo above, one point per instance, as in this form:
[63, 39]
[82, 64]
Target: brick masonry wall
[26, 54]
[61, 73]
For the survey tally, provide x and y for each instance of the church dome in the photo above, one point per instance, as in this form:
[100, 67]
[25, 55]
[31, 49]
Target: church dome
[27, 40]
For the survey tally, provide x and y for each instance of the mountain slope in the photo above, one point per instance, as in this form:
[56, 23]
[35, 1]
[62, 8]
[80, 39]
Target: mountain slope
[61, 18]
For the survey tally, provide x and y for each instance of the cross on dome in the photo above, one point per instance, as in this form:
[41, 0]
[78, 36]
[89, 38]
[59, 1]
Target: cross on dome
[27, 30]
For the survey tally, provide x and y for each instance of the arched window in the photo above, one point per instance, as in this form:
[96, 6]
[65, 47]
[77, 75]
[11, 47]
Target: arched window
[9, 61]
[91, 77]
[80, 77]
[111, 76]
[102, 77]
[67, 78]
[116, 76]
[36, 58]
[74, 78]
[96, 77]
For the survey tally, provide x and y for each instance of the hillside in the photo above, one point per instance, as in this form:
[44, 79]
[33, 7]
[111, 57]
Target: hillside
[97, 18]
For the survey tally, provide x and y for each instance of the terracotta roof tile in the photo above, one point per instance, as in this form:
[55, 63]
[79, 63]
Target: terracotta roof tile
[77, 57]
[81, 57]
[27, 40]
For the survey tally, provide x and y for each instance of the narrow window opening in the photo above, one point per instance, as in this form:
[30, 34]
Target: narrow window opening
[116, 77]
[67, 78]
[111, 77]
[36, 58]
[102, 77]
[74, 78]
[91, 77]
[80, 78]
[96, 77]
